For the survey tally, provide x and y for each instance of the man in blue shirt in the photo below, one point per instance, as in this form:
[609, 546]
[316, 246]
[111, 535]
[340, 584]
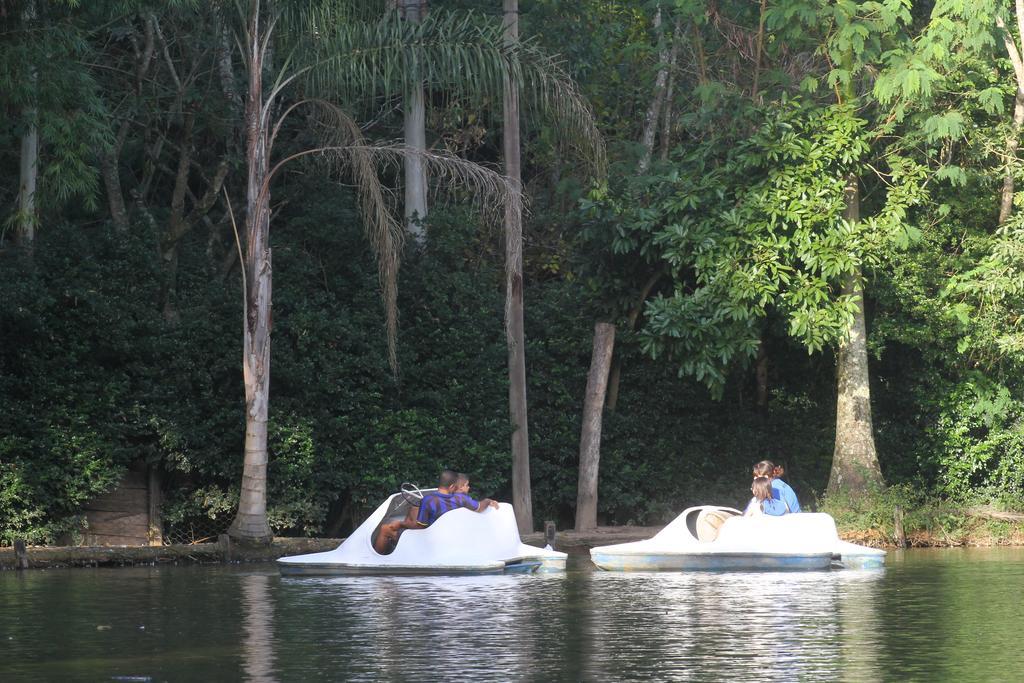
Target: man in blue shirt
[450, 495]
[446, 499]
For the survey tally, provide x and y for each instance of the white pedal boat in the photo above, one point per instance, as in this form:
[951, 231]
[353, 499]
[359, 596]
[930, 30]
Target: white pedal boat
[459, 542]
[713, 537]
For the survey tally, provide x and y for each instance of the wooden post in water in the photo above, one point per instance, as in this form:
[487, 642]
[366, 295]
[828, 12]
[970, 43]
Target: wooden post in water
[897, 518]
[20, 554]
[224, 541]
[155, 525]
[549, 533]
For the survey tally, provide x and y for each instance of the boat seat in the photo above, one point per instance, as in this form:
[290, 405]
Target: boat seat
[397, 510]
[708, 524]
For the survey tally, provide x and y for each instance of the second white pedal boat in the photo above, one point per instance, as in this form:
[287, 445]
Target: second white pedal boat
[721, 538]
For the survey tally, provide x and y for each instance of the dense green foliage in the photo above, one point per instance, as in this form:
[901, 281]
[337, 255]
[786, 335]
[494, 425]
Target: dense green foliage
[121, 348]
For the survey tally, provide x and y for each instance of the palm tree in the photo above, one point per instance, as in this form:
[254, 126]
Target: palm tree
[415, 118]
[340, 58]
[515, 338]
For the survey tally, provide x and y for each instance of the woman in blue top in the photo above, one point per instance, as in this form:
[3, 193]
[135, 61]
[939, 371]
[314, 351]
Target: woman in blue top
[780, 489]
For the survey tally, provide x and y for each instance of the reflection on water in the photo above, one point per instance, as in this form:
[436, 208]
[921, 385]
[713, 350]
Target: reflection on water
[399, 627]
[257, 628]
[729, 626]
[927, 616]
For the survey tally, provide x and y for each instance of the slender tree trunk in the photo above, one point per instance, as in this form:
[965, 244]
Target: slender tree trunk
[855, 466]
[415, 120]
[657, 98]
[666, 126]
[1012, 143]
[522, 500]
[699, 56]
[25, 234]
[110, 160]
[615, 377]
[614, 382]
[669, 106]
[759, 51]
[590, 431]
[761, 375]
[176, 222]
[251, 521]
[109, 171]
[226, 70]
[1014, 52]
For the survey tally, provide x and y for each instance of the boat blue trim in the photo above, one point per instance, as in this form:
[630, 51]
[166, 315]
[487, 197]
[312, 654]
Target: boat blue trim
[710, 561]
[310, 569]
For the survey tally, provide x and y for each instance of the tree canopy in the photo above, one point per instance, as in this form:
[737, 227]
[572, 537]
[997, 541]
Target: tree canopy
[745, 189]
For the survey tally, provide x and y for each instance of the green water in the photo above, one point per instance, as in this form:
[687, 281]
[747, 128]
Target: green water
[928, 616]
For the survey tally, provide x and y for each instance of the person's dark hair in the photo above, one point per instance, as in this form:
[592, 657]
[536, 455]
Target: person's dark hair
[461, 477]
[447, 479]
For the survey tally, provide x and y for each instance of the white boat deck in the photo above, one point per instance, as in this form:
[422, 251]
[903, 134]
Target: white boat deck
[459, 542]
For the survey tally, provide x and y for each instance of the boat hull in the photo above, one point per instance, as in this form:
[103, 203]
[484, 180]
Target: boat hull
[517, 566]
[336, 569]
[674, 562]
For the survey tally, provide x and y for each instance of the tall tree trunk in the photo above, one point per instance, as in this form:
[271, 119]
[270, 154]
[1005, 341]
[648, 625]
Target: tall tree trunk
[759, 51]
[251, 521]
[1012, 143]
[657, 98]
[522, 499]
[854, 462]
[109, 171]
[25, 235]
[1014, 52]
[668, 107]
[698, 54]
[614, 382]
[590, 431]
[615, 377]
[176, 222]
[761, 375]
[110, 159]
[415, 120]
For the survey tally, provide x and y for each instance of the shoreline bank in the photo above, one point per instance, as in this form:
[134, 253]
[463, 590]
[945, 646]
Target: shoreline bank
[226, 551]
[222, 551]
[990, 530]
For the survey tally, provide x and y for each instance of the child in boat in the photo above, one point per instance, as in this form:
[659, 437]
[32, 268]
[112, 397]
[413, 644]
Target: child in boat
[781, 491]
[762, 503]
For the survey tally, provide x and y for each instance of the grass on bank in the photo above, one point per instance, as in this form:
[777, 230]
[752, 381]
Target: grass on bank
[928, 520]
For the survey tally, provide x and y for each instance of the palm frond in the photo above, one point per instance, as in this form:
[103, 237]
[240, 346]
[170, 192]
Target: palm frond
[348, 152]
[356, 62]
